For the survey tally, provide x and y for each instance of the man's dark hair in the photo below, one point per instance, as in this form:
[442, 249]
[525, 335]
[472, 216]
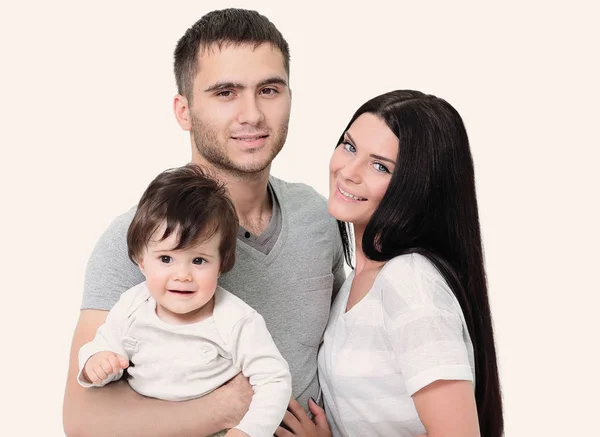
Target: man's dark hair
[192, 204]
[221, 27]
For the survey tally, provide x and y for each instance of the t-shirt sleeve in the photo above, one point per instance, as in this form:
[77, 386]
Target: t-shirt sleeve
[256, 354]
[109, 270]
[425, 328]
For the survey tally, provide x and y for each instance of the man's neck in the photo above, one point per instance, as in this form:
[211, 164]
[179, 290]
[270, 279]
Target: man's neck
[249, 195]
[251, 200]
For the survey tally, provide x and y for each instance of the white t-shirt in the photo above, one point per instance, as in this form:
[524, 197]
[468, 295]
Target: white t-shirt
[179, 362]
[407, 332]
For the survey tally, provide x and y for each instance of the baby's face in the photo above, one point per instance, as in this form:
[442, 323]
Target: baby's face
[183, 282]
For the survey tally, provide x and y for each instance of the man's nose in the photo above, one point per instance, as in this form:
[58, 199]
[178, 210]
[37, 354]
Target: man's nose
[250, 111]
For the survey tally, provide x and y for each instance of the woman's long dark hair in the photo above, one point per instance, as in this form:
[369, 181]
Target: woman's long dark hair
[430, 208]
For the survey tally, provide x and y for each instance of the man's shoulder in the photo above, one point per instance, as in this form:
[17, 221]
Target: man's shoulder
[116, 232]
[123, 220]
[285, 187]
[298, 194]
[109, 270]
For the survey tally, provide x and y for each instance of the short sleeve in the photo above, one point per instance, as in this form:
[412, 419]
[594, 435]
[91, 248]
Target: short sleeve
[109, 271]
[425, 328]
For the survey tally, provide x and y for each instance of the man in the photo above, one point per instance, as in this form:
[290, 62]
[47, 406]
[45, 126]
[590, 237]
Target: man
[232, 72]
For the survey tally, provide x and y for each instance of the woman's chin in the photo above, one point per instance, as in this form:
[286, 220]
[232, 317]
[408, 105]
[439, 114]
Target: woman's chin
[337, 212]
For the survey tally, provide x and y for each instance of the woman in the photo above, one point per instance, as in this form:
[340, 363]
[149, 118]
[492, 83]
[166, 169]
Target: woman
[409, 347]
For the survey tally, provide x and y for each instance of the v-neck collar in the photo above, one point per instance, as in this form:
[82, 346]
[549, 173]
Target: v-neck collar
[281, 238]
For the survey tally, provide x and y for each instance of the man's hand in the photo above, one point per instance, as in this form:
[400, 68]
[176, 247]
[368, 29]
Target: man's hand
[300, 425]
[235, 397]
[102, 364]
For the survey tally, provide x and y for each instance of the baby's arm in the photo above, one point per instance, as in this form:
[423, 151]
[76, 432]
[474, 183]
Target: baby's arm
[256, 354]
[103, 359]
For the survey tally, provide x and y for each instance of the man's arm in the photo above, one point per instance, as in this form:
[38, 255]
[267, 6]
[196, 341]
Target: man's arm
[116, 410]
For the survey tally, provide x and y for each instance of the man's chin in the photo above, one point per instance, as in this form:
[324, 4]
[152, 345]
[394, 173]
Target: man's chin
[253, 165]
[252, 169]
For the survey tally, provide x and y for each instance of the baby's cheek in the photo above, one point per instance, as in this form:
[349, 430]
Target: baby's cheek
[208, 280]
[155, 285]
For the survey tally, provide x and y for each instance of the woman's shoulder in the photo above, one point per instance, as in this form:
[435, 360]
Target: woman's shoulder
[416, 281]
[410, 266]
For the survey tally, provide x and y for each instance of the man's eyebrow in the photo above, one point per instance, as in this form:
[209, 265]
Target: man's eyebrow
[224, 85]
[275, 80]
[381, 158]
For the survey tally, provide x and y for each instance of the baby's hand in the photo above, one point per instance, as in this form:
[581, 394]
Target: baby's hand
[102, 364]
[234, 432]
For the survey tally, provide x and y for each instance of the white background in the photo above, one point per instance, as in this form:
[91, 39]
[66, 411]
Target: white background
[86, 123]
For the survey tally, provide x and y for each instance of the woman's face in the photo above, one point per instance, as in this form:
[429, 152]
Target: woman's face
[361, 168]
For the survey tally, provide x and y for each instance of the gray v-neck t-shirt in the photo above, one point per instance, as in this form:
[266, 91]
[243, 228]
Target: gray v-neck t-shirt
[265, 241]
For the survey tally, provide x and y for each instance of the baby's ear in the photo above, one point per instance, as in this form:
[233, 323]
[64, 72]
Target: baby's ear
[140, 263]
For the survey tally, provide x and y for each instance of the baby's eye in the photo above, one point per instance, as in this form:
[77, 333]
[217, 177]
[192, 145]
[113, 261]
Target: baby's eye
[166, 259]
[198, 261]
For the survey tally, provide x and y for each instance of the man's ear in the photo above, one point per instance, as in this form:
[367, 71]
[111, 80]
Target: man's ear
[182, 112]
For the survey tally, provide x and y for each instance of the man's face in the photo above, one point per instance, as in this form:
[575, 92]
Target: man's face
[240, 109]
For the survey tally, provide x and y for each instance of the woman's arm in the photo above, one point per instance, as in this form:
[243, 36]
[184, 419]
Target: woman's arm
[447, 408]
[117, 410]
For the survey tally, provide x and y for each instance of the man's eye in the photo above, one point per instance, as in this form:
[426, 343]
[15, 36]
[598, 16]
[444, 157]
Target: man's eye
[225, 93]
[198, 261]
[166, 259]
[269, 91]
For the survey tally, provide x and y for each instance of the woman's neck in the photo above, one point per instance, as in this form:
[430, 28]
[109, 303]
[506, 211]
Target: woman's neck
[362, 262]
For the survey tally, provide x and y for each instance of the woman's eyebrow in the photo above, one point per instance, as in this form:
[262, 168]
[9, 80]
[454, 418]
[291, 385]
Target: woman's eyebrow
[381, 158]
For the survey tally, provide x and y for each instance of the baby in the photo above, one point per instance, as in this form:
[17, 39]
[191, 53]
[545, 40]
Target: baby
[183, 334]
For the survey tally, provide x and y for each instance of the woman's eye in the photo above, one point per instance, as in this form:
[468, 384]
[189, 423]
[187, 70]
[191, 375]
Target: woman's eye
[198, 261]
[166, 259]
[381, 168]
[349, 147]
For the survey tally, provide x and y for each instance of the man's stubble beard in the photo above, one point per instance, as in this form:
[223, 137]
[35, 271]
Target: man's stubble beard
[207, 144]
